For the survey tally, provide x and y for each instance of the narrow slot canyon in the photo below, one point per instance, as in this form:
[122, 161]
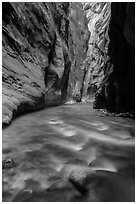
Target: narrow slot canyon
[68, 102]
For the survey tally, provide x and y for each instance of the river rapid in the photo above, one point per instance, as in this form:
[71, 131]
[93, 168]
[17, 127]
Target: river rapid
[47, 145]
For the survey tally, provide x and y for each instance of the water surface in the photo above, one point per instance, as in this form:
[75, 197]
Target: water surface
[47, 145]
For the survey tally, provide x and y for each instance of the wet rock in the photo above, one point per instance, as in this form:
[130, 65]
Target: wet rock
[81, 176]
[8, 163]
[77, 97]
[127, 114]
[61, 180]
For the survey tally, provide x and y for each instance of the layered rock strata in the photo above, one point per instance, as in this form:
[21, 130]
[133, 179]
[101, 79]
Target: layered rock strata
[53, 53]
[44, 44]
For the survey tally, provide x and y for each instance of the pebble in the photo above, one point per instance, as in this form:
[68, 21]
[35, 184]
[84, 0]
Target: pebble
[8, 163]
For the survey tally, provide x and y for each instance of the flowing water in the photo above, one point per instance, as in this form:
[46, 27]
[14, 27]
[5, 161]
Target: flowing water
[47, 145]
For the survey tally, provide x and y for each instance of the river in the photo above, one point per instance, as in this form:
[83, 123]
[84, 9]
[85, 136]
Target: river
[47, 145]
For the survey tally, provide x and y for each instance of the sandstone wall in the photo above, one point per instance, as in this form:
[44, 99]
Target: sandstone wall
[54, 53]
[109, 79]
[98, 15]
[43, 46]
[118, 90]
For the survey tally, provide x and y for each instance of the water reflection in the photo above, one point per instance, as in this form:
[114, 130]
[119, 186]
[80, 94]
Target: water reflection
[47, 145]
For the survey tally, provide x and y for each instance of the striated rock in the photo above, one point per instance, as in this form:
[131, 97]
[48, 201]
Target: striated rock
[109, 77]
[79, 41]
[63, 52]
[44, 45]
[26, 46]
[98, 15]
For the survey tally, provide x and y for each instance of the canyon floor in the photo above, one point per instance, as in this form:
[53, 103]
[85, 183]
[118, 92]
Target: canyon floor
[48, 145]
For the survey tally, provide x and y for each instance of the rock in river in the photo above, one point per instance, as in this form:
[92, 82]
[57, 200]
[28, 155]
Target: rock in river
[8, 163]
[81, 176]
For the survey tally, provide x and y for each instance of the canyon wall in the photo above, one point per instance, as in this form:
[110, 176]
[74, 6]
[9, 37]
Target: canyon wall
[109, 81]
[117, 92]
[54, 53]
[44, 48]
[98, 15]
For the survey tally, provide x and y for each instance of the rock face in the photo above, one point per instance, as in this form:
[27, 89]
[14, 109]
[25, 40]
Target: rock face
[79, 41]
[67, 52]
[44, 46]
[109, 80]
[98, 15]
[118, 91]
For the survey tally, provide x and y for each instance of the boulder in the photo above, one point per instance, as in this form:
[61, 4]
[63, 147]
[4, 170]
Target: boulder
[80, 177]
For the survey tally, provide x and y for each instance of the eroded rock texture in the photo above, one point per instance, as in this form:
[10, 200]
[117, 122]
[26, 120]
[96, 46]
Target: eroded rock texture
[67, 52]
[44, 46]
[98, 15]
[118, 91]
